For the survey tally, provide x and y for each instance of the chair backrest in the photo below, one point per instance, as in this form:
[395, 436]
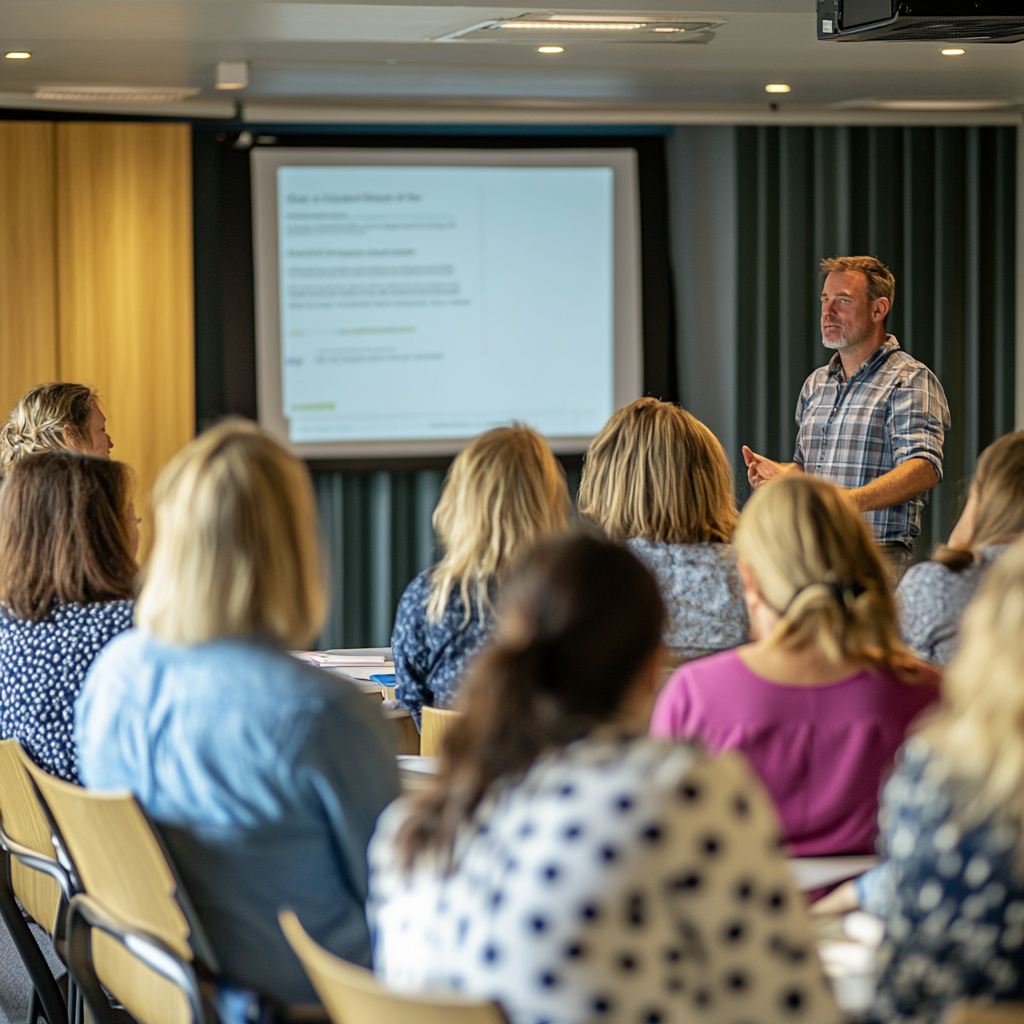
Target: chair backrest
[24, 821]
[352, 995]
[122, 866]
[976, 1011]
[434, 723]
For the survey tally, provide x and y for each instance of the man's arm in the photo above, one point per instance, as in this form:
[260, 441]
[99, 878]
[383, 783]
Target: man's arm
[906, 481]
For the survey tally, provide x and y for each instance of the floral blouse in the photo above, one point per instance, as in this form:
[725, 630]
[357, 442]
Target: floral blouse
[622, 880]
[430, 657]
[703, 595]
[42, 668]
[951, 896]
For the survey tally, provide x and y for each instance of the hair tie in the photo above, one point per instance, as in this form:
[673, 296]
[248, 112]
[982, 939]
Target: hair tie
[845, 593]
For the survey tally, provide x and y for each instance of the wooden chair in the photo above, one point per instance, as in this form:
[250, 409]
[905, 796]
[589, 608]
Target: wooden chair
[31, 873]
[434, 723]
[352, 995]
[132, 931]
[977, 1011]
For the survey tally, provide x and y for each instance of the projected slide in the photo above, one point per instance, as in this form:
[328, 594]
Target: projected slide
[426, 302]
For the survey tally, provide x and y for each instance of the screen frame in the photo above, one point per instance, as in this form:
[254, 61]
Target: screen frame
[627, 316]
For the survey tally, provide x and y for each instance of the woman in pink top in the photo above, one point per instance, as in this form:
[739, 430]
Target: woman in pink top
[822, 698]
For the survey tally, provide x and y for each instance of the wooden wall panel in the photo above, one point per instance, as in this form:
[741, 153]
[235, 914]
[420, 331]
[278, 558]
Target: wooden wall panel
[124, 256]
[28, 284]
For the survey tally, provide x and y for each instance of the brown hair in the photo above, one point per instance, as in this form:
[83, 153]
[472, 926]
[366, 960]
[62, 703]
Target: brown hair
[504, 491]
[881, 283]
[64, 533]
[998, 488]
[818, 566]
[654, 471]
[37, 422]
[577, 621]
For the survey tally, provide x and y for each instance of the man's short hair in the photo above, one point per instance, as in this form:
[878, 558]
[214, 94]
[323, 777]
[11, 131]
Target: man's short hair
[881, 283]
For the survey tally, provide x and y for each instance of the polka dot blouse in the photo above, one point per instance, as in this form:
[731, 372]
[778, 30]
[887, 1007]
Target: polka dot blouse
[42, 667]
[625, 881]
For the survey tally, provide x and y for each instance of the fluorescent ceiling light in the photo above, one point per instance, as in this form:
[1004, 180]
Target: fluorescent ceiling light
[925, 105]
[550, 49]
[587, 25]
[953, 51]
[18, 55]
[776, 87]
[115, 93]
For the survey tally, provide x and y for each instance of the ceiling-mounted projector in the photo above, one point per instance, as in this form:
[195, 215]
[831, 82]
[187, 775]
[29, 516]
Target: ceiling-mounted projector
[966, 21]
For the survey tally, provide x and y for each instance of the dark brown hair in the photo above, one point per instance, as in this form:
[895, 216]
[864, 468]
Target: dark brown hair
[576, 621]
[64, 533]
[999, 489]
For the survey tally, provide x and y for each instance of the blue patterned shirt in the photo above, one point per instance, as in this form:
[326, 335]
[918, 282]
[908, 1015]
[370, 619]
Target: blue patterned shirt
[851, 432]
[951, 897]
[42, 666]
[703, 595]
[430, 657]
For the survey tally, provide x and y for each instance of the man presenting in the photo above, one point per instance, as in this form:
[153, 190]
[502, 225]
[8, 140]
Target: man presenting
[873, 420]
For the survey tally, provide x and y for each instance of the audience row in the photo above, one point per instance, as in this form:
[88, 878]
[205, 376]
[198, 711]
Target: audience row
[577, 857]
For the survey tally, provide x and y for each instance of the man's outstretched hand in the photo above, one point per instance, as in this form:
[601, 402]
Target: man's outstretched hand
[759, 469]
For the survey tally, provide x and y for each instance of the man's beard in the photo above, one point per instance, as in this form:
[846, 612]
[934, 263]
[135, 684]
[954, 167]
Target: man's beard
[843, 341]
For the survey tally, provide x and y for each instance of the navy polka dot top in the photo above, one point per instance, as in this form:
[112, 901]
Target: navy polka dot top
[42, 667]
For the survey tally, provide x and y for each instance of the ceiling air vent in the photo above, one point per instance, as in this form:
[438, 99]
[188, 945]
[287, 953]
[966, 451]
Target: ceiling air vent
[114, 93]
[581, 26]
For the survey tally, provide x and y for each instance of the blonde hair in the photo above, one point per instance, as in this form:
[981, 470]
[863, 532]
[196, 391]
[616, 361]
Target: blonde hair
[977, 735]
[816, 564]
[237, 550]
[881, 283]
[999, 489]
[654, 471]
[37, 422]
[504, 491]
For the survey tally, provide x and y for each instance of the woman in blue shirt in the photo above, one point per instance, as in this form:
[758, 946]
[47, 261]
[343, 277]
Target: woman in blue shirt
[504, 491]
[265, 775]
[67, 576]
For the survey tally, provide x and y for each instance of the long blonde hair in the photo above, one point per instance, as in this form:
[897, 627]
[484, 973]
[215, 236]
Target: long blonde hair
[504, 491]
[998, 488]
[654, 471]
[37, 422]
[977, 734]
[237, 550]
[816, 564]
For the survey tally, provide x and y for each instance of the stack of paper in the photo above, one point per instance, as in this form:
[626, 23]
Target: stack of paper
[356, 664]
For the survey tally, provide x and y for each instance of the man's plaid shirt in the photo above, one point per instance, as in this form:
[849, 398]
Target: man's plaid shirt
[853, 431]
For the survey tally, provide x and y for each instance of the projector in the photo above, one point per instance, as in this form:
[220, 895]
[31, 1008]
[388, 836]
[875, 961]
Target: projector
[963, 21]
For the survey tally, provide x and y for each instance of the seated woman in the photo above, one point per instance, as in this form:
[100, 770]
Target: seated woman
[933, 595]
[657, 478]
[67, 581]
[567, 866]
[54, 418]
[264, 774]
[951, 890]
[822, 698]
[504, 490]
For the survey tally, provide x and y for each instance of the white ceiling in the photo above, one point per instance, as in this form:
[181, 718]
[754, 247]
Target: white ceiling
[366, 54]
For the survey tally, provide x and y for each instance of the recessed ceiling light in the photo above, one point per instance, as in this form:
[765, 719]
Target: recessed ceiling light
[551, 49]
[232, 74]
[776, 87]
[18, 55]
[665, 28]
[953, 51]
